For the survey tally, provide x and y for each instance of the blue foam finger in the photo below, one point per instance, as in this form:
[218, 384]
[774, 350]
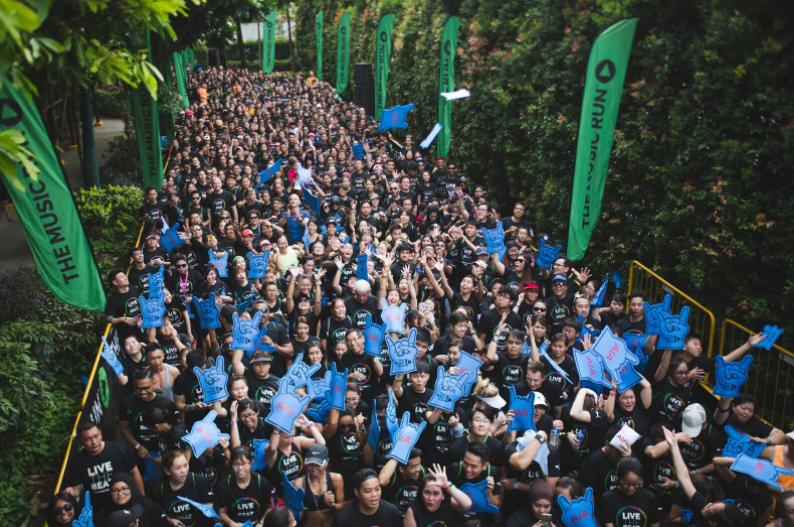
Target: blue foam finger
[478, 492]
[286, 407]
[245, 331]
[731, 376]
[579, 512]
[523, 409]
[204, 434]
[448, 389]
[213, 381]
[402, 353]
[152, 310]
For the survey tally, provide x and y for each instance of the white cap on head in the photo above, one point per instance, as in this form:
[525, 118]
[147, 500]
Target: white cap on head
[693, 419]
[540, 399]
[495, 402]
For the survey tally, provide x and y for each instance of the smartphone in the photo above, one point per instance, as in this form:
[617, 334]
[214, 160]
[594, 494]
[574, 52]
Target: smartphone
[545, 520]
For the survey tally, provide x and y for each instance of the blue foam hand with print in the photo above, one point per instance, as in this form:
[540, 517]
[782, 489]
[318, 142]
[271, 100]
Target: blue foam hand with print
[617, 277]
[219, 260]
[402, 353]
[598, 299]
[395, 117]
[673, 330]
[392, 423]
[762, 470]
[208, 312]
[405, 438]
[260, 344]
[358, 150]
[317, 388]
[204, 434]
[614, 353]
[373, 337]
[393, 317]
[111, 358]
[495, 240]
[579, 512]
[86, 518]
[322, 410]
[470, 364]
[260, 457]
[374, 428]
[299, 373]
[448, 389]
[337, 388]
[770, 334]
[156, 281]
[362, 272]
[293, 496]
[731, 376]
[741, 443]
[257, 264]
[547, 255]
[267, 174]
[242, 307]
[206, 510]
[586, 331]
[590, 368]
[213, 381]
[523, 411]
[285, 408]
[245, 331]
[152, 310]
[478, 492]
[171, 238]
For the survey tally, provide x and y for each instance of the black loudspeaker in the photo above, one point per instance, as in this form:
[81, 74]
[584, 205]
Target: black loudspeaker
[365, 97]
[364, 74]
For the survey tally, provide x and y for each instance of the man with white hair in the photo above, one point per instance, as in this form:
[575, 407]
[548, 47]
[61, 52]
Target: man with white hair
[361, 304]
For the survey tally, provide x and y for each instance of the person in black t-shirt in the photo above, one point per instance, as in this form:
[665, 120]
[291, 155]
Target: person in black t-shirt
[440, 502]
[133, 411]
[188, 394]
[400, 482]
[474, 468]
[244, 495]
[367, 510]
[559, 306]
[630, 505]
[598, 470]
[123, 307]
[635, 323]
[585, 423]
[178, 481]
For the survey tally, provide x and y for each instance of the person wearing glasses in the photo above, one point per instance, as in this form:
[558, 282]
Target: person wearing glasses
[64, 510]
[559, 306]
[244, 495]
[630, 505]
[673, 393]
[185, 280]
[125, 496]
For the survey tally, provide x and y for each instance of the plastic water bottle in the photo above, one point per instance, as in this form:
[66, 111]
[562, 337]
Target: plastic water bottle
[555, 436]
[580, 436]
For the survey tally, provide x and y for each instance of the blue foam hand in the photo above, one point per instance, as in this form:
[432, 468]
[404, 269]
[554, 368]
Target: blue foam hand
[206, 510]
[448, 389]
[204, 434]
[86, 518]
[478, 492]
[731, 376]
[614, 353]
[543, 353]
[320, 412]
[579, 512]
[523, 409]
[317, 387]
[673, 330]
[395, 117]
[628, 377]
[306, 239]
[261, 345]
[171, 239]
[267, 174]
[653, 319]
[393, 316]
[740, 443]
[245, 331]
[219, 262]
[590, 367]
[547, 254]
[374, 429]
[109, 354]
[598, 299]
[391, 416]
[635, 343]
[337, 388]
[402, 353]
[208, 312]
[152, 310]
[405, 438]
[373, 337]
[358, 150]
[495, 240]
[431, 136]
[686, 514]
[293, 496]
[586, 331]
[242, 307]
[468, 363]
[299, 373]
[257, 264]
[362, 272]
[617, 277]
[286, 407]
[260, 457]
[310, 200]
[760, 469]
[771, 334]
[213, 380]
[526, 349]
[156, 281]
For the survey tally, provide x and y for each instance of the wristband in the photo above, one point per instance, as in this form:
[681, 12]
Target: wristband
[310, 425]
[723, 410]
[449, 486]
[613, 394]
[233, 422]
[137, 446]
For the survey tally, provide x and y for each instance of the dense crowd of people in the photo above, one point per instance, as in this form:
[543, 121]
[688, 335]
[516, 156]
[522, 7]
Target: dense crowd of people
[419, 221]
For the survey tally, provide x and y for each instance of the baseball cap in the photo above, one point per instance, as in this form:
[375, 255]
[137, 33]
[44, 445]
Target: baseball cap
[531, 285]
[125, 517]
[482, 251]
[693, 419]
[316, 455]
[559, 278]
[540, 399]
[261, 356]
[248, 232]
[151, 235]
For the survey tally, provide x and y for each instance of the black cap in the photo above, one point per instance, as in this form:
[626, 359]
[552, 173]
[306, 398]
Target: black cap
[124, 518]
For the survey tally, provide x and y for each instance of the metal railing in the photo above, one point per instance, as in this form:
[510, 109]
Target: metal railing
[701, 320]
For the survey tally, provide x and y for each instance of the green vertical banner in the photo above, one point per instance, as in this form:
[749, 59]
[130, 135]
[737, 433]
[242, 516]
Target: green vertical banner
[47, 211]
[147, 128]
[318, 32]
[342, 53]
[382, 56]
[269, 43]
[606, 71]
[179, 70]
[449, 46]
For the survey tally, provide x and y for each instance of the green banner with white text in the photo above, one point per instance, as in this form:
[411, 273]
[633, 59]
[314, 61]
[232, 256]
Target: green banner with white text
[342, 53]
[269, 43]
[179, 70]
[382, 56]
[318, 31]
[47, 211]
[449, 45]
[606, 72]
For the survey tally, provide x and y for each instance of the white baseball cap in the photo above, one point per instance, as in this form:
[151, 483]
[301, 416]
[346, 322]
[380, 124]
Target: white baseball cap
[693, 419]
[540, 399]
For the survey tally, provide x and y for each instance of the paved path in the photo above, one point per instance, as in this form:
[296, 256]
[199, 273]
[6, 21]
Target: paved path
[14, 249]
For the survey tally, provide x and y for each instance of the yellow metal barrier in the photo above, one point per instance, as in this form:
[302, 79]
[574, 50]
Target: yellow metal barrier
[770, 376]
[701, 320]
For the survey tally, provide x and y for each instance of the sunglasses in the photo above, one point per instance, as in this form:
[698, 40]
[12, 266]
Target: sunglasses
[66, 508]
[181, 266]
[541, 309]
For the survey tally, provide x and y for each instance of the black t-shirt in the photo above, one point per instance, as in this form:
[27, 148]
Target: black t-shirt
[346, 453]
[96, 472]
[187, 385]
[552, 376]
[335, 331]
[140, 277]
[637, 419]
[750, 504]
[557, 311]
[641, 509]
[669, 402]
[124, 305]
[132, 409]
[245, 504]
[490, 320]
[217, 203]
[592, 433]
[262, 390]
[195, 488]
[445, 515]
[551, 392]
[365, 365]
[402, 492]
[515, 499]
[387, 515]
[598, 473]
[458, 478]
[415, 404]
[358, 312]
[657, 469]
[510, 371]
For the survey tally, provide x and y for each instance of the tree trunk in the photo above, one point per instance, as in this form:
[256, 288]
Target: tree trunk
[240, 45]
[292, 65]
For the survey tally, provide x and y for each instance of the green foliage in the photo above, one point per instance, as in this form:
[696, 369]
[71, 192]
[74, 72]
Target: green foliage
[112, 103]
[251, 48]
[122, 154]
[110, 217]
[202, 56]
[699, 177]
[168, 100]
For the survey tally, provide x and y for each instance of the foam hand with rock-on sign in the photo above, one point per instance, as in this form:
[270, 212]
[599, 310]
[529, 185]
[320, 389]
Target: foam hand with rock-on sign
[448, 389]
[245, 331]
[393, 316]
[618, 360]
[598, 299]
[373, 337]
[219, 260]
[213, 381]
[260, 456]
[402, 353]
[208, 312]
[586, 332]
[155, 281]
[293, 496]
[731, 376]
[470, 364]
[318, 387]
[395, 117]
[495, 240]
[206, 510]
[771, 334]
[362, 271]
[741, 443]
[391, 416]
[547, 254]
[673, 329]
[478, 492]
[171, 238]
[204, 434]
[337, 388]
[257, 264]
[523, 410]
[109, 354]
[152, 310]
[86, 518]
[267, 174]
[762, 470]
[579, 512]
[286, 407]
[405, 438]
[299, 373]
[260, 344]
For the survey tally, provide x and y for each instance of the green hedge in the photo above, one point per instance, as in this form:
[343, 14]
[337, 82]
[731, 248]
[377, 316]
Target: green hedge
[112, 103]
[699, 185]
